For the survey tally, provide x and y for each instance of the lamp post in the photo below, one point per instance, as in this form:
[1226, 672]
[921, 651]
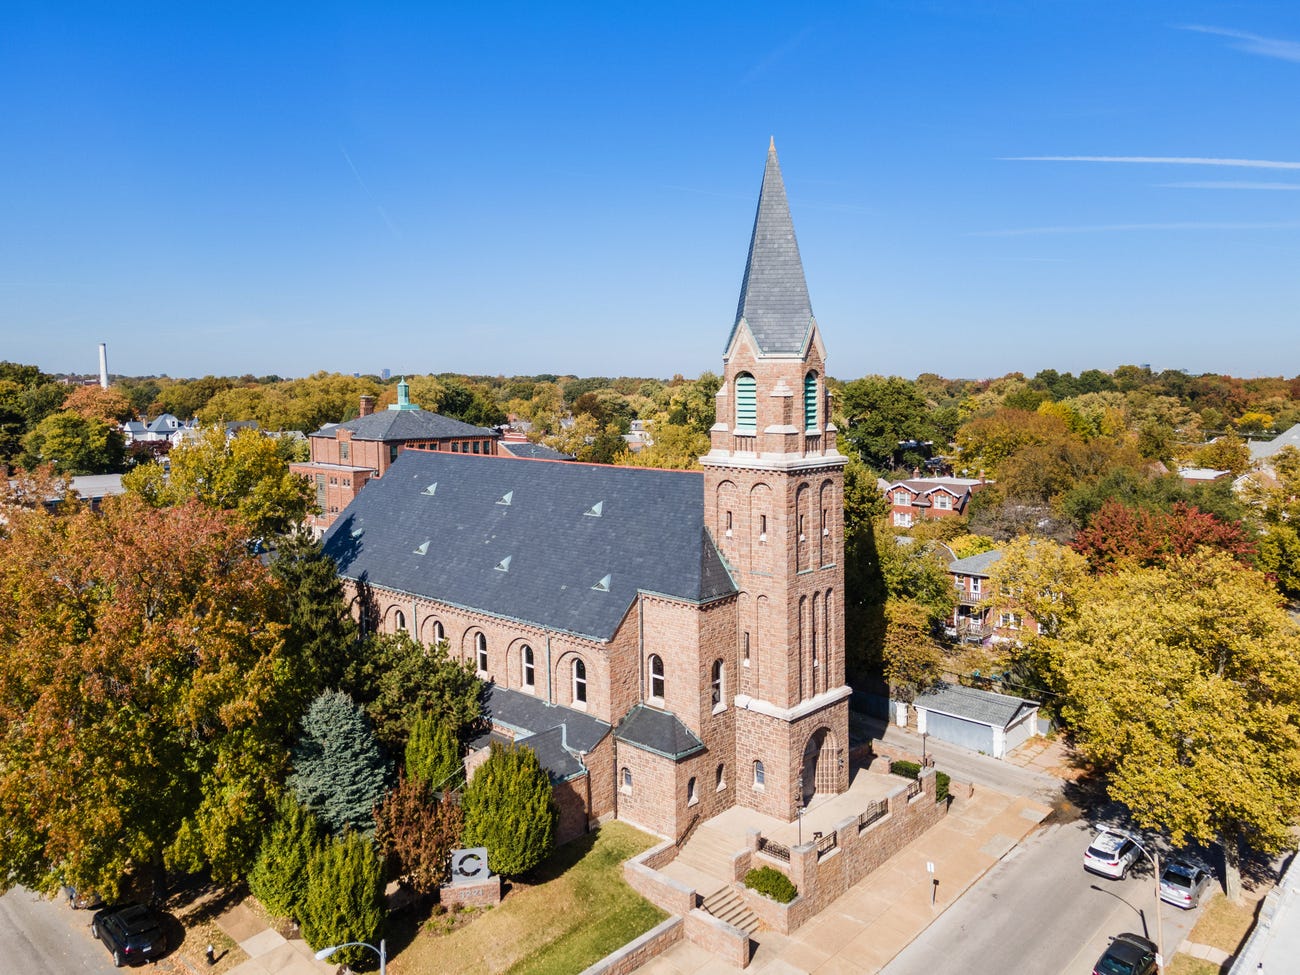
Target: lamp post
[924, 736]
[380, 951]
[1154, 857]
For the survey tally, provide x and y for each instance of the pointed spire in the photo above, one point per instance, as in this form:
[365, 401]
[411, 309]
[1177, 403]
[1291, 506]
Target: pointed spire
[774, 295]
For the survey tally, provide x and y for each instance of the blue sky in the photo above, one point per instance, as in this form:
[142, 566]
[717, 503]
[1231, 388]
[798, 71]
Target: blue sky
[977, 187]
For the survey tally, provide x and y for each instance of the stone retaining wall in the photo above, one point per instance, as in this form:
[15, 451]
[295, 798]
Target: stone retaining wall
[636, 953]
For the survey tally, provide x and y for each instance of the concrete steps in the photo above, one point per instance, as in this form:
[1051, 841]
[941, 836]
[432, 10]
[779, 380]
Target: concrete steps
[710, 851]
[727, 905]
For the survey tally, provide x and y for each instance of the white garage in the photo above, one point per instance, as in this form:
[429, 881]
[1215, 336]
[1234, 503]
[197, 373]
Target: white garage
[982, 721]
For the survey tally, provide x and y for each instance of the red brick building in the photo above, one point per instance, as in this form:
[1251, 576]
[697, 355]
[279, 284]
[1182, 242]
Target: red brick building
[924, 498]
[670, 642]
[345, 456]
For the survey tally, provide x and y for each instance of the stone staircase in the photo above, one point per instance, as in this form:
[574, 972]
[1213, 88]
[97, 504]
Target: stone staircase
[727, 905]
[709, 851]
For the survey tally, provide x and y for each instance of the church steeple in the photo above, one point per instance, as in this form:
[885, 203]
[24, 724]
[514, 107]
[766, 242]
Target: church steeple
[774, 303]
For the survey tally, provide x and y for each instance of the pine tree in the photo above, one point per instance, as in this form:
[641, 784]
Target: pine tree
[320, 628]
[279, 875]
[339, 769]
[509, 809]
[433, 753]
[345, 897]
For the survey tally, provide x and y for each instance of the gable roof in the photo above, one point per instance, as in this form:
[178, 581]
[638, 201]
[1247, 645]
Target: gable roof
[658, 731]
[1259, 449]
[984, 707]
[415, 424]
[531, 451]
[560, 546]
[975, 565]
[774, 303]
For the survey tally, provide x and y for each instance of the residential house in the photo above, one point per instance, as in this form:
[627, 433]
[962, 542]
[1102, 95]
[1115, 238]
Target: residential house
[981, 614]
[924, 498]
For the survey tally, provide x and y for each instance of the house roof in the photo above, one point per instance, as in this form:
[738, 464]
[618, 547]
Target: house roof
[531, 451]
[657, 731]
[774, 302]
[1259, 449]
[975, 565]
[409, 424]
[983, 707]
[564, 547]
[956, 486]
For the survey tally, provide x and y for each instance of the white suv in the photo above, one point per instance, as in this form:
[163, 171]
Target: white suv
[1110, 854]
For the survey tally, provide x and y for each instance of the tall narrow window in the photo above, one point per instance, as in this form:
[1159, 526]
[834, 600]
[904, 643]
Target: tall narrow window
[715, 688]
[692, 795]
[760, 776]
[579, 682]
[439, 634]
[345, 451]
[480, 648]
[399, 620]
[656, 676]
[746, 647]
[746, 404]
[810, 402]
[529, 671]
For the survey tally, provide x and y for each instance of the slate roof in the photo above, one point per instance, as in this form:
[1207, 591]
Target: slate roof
[523, 715]
[531, 451]
[975, 565]
[1259, 449]
[774, 300]
[659, 732]
[387, 425]
[984, 707]
[565, 547]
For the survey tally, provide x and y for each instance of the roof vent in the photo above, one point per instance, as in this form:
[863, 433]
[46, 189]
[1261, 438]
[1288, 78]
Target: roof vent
[505, 498]
[503, 565]
[602, 586]
[430, 489]
[356, 532]
[424, 547]
[595, 510]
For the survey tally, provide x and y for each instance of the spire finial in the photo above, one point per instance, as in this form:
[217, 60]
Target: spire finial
[771, 144]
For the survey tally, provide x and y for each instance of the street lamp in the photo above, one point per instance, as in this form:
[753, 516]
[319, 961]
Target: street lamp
[924, 736]
[326, 952]
[1154, 857]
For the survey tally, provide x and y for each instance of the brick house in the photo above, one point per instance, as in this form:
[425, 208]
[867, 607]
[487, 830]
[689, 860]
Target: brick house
[670, 642]
[982, 615]
[923, 498]
[346, 456]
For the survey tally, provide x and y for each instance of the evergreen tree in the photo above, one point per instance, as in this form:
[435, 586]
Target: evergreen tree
[320, 627]
[433, 753]
[509, 809]
[345, 897]
[339, 770]
[279, 875]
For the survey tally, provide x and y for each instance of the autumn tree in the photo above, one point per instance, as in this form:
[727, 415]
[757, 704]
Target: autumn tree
[345, 897]
[109, 406]
[339, 769]
[417, 833]
[145, 694]
[912, 656]
[510, 810]
[674, 448]
[1226, 453]
[1120, 535]
[1182, 680]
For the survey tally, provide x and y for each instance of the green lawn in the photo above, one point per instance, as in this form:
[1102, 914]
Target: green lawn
[577, 911]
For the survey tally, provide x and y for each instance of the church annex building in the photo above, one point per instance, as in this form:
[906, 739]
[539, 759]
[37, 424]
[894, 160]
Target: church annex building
[669, 642]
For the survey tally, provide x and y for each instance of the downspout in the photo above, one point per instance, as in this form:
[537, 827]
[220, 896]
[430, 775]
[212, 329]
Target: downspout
[640, 646]
[550, 696]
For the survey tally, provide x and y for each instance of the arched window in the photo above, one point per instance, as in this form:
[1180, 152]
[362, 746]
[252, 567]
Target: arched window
[439, 634]
[692, 795]
[746, 404]
[722, 777]
[716, 686]
[480, 650]
[656, 676]
[399, 620]
[760, 777]
[810, 402]
[529, 671]
[625, 778]
[579, 682]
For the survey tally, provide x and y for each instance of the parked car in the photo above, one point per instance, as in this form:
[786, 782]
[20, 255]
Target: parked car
[1182, 882]
[1111, 854]
[1128, 954]
[131, 933]
[84, 900]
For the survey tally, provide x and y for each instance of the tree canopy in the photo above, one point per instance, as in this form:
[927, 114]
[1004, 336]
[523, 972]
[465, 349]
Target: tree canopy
[510, 810]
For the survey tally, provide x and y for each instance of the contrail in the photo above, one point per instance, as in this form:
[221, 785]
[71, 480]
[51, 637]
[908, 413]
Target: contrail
[370, 196]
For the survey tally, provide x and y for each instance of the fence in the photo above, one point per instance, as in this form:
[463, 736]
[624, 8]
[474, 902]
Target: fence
[773, 849]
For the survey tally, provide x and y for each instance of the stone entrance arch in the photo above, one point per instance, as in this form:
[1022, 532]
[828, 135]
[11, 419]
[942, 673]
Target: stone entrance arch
[820, 773]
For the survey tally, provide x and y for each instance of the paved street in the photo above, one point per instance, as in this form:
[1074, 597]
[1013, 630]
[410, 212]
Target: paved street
[1039, 911]
[45, 937]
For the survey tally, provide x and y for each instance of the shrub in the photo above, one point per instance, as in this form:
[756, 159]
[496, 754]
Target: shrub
[345, 897]
[279, 875]
[433, 753]
[941, 780]
[509, 809]
[909, 770]
[772, 883]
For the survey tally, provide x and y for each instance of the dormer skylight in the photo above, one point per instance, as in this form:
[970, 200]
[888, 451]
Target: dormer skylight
[430, 489]
[595, 510]
[603, 585]
[424, 547]
[505, 498]
[504, 564]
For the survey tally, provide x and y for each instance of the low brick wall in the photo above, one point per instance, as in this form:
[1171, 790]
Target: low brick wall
[636, 953]
[483, 893]
[662, 891]
[726, 941]
[781, 918]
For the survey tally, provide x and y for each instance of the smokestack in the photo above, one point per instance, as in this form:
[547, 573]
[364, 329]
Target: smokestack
[103, 365]
[367, 405]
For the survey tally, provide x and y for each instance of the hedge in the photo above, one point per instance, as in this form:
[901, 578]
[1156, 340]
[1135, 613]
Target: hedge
[911, 770]
[772, 883]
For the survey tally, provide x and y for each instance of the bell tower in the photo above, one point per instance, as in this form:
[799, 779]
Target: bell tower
[774, 502]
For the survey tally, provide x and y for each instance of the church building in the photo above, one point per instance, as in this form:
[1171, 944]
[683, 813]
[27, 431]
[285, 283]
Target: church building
[671, 643]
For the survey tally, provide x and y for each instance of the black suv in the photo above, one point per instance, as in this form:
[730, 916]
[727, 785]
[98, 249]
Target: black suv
[132, 932]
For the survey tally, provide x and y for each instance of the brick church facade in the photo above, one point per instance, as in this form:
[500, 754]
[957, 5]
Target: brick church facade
[669, 642]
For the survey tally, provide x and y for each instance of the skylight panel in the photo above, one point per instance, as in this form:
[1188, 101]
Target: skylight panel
[356, 532]
[431, 489]
[595, 510]
[603, 585]
[506, 498]
[504, 564]
[424, 547]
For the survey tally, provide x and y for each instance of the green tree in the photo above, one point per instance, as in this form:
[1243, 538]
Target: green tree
[880, 412]
[339, 770]
[345, 897]
[433, 753]
[279, 875]
[912, 657]
[74, 444]
[509, 809]
[674, 448]
[319, 626]
[1183, 681]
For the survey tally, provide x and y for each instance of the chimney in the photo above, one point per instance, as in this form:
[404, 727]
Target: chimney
[367, 405]
[103, 365]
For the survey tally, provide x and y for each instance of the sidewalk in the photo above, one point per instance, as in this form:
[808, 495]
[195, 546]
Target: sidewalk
[269, 953]
[883, 913]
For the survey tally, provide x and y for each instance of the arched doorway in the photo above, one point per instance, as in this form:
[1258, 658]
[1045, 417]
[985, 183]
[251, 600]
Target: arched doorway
[820, 765]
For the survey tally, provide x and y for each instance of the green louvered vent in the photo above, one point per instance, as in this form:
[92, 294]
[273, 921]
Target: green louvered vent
[810, 402]
[746, 404]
